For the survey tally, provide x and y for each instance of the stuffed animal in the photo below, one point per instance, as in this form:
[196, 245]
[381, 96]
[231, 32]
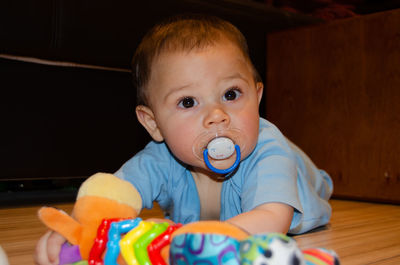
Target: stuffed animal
[104, 225]
[102, 196]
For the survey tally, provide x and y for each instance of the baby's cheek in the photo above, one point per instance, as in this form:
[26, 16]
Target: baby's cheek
[251, 127]
[181, 147]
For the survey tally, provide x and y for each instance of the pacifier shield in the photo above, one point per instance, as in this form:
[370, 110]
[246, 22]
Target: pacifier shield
[221, 148]
[223, 171]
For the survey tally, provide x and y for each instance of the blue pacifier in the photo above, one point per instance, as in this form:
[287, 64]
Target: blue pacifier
[221, 148]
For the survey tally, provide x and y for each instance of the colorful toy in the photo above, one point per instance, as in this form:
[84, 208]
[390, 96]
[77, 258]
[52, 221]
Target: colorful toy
[105, 230]
[207, 242]
[277, 249]
[161, 242]
[102, 196]
[271, 249]
[199, 248]
[99, 246]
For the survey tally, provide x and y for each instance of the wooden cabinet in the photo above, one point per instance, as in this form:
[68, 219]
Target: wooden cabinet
[334, 89]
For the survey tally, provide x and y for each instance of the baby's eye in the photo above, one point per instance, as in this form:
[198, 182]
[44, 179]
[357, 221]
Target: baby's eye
[187, 102]
[232, 94]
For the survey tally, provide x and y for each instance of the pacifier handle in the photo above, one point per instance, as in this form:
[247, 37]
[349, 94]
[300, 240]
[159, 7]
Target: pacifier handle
[222, 171]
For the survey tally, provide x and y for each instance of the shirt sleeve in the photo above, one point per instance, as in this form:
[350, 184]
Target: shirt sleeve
[148, 172]
[279, 172]
[271, 177]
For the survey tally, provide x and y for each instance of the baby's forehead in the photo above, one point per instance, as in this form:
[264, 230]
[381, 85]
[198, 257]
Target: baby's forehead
[171, 62]
[181, 68]
[178, 50]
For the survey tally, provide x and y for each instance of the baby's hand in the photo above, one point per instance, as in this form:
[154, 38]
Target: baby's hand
[48, 248]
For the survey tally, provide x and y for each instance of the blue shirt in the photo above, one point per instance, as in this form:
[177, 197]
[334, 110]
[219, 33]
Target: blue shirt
[276, 171]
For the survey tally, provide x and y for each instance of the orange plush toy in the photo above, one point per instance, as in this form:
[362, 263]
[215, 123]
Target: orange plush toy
[102, 196]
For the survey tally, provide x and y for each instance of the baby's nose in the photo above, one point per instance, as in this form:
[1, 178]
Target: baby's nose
[216, 116]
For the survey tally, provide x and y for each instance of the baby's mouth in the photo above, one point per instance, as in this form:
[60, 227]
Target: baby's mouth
[221, 148]
[219, 143]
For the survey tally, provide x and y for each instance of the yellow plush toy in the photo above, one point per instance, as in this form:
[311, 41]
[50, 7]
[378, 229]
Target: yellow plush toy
[102, 196]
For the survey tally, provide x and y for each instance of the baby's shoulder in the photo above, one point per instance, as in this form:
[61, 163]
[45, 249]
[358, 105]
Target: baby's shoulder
[269, 134]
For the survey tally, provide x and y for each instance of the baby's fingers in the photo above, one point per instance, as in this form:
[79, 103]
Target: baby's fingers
[54, 244]
[48, 248]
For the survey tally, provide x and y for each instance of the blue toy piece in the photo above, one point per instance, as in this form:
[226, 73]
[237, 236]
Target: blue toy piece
[114, 236]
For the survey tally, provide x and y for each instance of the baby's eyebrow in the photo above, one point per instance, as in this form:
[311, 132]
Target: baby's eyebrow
[236, 76]
[175, 90]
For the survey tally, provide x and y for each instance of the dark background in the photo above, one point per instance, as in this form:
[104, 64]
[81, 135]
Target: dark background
[62, 124]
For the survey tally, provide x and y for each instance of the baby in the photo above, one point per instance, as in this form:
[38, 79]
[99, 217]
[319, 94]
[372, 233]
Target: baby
[213, 157]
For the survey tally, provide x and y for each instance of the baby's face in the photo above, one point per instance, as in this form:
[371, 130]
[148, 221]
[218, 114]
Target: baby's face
[202, 94]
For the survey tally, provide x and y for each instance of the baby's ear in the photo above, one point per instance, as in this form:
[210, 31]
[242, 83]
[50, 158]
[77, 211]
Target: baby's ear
[146, 117]
[260, 88]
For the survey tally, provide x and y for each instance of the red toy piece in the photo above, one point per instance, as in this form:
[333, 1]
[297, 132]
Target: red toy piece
[100, 241]
[154, 248]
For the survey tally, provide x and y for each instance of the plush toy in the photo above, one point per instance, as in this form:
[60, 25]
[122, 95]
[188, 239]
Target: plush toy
[104, 227]
[101, 196]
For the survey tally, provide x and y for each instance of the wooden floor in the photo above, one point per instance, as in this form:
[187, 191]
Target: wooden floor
[361, 233]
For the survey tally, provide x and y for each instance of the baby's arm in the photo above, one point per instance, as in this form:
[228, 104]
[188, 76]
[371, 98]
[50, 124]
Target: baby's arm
[268, 217]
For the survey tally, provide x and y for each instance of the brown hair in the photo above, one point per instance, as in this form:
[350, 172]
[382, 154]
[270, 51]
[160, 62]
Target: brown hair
[181, 33]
